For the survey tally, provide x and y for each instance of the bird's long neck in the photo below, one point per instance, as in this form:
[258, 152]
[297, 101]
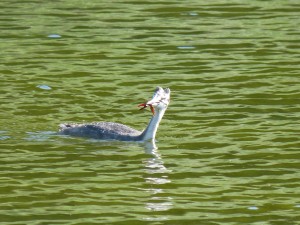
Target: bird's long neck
[150, 132]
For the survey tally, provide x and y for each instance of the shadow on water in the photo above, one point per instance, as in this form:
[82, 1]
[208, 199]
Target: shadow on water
[149, 147]
[156, 177]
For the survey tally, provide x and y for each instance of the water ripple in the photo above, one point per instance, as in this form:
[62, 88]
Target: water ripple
[228, 145]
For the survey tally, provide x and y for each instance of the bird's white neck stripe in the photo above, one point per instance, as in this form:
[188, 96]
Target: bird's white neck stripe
[150, 131]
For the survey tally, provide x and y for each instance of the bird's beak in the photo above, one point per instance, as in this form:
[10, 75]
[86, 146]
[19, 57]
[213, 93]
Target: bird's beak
[154, 101]
[145, 105]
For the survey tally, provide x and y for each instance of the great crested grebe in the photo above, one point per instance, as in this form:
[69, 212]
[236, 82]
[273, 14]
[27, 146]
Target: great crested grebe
[116, 131]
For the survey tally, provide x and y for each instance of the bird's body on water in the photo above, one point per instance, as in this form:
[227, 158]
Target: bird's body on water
[117, 131]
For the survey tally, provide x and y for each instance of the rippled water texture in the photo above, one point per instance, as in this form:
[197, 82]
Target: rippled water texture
[228, 146]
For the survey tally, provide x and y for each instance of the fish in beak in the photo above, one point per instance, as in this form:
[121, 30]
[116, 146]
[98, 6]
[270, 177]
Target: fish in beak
[145, 105]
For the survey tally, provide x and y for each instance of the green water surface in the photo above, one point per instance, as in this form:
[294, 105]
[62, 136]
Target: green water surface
[228, 146]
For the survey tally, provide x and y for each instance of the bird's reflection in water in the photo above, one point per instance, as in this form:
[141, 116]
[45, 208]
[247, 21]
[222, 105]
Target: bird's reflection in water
[156, 177]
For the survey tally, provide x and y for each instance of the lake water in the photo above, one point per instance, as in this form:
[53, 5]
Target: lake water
[227, 148]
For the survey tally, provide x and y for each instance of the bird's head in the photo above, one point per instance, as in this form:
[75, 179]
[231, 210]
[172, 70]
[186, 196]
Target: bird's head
[160, 100]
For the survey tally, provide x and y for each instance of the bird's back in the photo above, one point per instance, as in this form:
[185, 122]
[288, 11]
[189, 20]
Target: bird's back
[101, 130]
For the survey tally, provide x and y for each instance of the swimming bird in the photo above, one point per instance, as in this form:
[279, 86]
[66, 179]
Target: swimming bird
[116, 131]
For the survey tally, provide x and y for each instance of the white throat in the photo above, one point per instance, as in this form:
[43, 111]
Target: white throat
[150, 132]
